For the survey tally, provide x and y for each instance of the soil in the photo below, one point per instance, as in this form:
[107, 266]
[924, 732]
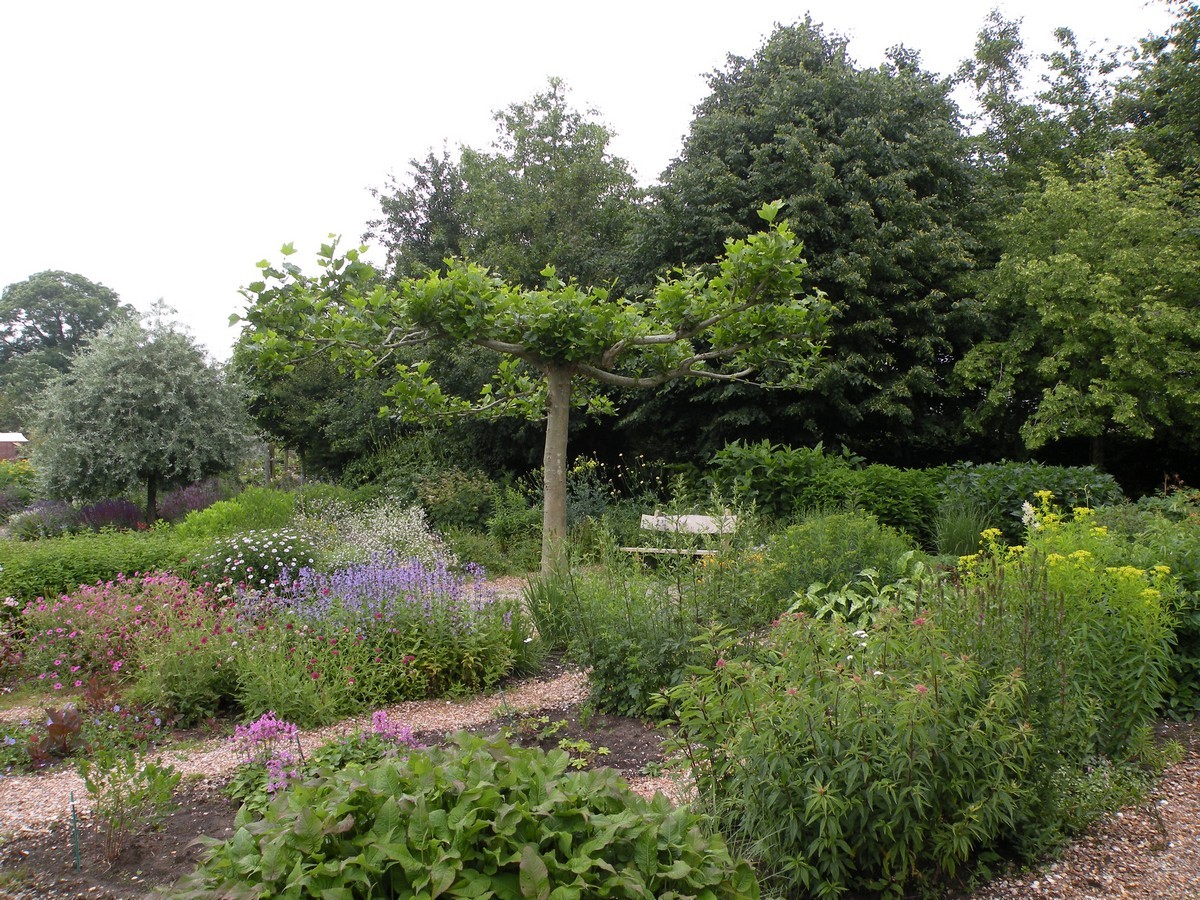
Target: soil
[43, 865]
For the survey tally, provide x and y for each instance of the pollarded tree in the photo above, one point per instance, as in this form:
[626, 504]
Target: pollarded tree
[557, 344]
[138, 407]
[1094, 301]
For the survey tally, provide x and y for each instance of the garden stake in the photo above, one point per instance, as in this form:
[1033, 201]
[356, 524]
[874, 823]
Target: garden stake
[75, 831]
[299, 749]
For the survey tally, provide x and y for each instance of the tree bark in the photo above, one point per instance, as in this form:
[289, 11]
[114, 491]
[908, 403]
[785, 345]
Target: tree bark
[151, 499]
[1097, 452]
[554, 469]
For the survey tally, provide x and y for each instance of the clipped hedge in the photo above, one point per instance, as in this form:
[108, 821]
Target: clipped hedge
[784, 482]
[55, 566]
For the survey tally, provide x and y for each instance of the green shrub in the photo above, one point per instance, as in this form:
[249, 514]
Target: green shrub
[253, 509]
[1005, 486]
[872, 761]
[775, 480]
[476, 819]
[781, 482]
[830, 549]
[57, 566]
[453, 498]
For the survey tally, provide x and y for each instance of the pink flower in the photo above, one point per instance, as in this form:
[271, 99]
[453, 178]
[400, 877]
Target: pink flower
[720, 663]
[117, 666]
[58, 685]
[919, 621]
[921, 689]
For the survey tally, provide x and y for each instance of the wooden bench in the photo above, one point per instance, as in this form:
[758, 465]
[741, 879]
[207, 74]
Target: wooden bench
[684, 524]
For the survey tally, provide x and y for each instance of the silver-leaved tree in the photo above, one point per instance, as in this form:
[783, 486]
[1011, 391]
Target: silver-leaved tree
[138, 407]
[747, 318]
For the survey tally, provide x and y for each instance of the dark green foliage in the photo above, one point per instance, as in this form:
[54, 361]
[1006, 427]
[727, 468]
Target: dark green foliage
[56, 566]
[453, 498]
[873, 170]
[829, 549]
[783, 482]
[473, 818]
[1004, 486]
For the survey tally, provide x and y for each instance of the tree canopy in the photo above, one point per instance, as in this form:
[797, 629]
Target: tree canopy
[874, 169]
[44, 320]
[549, 192]
[557, 343]
[1095, 298]
[138, 407]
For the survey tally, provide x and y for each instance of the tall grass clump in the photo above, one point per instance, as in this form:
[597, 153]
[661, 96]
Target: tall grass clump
[628, 627]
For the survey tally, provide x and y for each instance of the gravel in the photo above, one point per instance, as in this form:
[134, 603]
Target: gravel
[1151, 850]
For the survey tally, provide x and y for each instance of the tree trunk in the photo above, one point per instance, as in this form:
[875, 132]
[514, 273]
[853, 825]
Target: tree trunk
[554, 469]
[1098, 452]
[151, 499]
[269, 466]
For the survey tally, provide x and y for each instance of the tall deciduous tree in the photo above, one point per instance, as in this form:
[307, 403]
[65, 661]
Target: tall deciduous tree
[52, 313]
[138, 407]
[548, 192]
[1162, 100]
[1096, 300]
[558, 343]
[44, 320]
[874, 171]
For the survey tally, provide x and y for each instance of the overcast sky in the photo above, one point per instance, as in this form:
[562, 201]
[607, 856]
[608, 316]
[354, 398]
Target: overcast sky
[163, 148]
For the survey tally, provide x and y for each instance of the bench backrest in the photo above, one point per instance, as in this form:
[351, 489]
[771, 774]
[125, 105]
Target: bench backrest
[726, 524]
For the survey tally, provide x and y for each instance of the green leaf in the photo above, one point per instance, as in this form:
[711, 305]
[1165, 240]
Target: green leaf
[535, 878]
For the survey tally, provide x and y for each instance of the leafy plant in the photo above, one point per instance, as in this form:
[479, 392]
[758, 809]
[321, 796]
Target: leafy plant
[830, 550]
[874, 761]
[473, 819]
[129, 794]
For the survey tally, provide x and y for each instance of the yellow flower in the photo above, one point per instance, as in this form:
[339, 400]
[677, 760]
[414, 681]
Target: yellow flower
[1162, 570]
[990, 534]
[1100, 530]
[1082, 512]
[1044, 496]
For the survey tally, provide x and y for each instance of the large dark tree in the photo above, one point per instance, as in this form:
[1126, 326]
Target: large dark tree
[44, 320]
[874, 172]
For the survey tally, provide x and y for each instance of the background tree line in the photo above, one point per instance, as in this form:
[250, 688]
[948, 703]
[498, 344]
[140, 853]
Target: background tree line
[1011, 265]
